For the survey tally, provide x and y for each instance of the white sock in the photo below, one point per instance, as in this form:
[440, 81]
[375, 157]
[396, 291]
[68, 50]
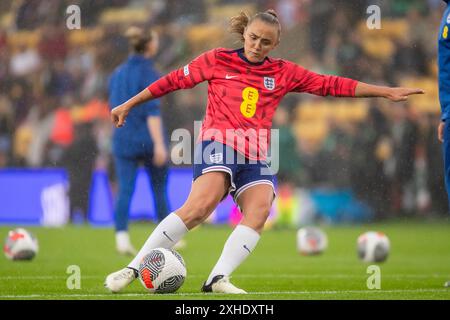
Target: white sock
[166, 234]
[239, 245]
[122, 239]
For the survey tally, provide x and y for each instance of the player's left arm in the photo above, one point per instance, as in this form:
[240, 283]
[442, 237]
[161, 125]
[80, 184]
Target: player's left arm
[325, 85]
[396, 94]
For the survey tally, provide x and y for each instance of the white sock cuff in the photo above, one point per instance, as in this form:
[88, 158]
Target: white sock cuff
[245, 232]
[176, 220]
[248, 230]
[243, 235]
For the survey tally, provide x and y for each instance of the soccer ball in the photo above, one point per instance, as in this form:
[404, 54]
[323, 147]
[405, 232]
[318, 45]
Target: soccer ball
[311, 241]
[20, 245]
[373, 246]
[162, 271]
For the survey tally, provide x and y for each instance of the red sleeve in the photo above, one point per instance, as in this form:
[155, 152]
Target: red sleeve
[321, 85]
[198, 70]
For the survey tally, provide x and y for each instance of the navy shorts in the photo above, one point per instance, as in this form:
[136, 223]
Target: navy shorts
[212, 156]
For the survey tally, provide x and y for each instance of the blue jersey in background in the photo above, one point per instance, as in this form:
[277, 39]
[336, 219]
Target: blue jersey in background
[444, 64]
[127, 80]
[444, 90]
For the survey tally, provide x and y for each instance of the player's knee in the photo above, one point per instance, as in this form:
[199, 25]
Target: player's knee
[200, 212]
[258, 214]
[196, 212]
[261, 210]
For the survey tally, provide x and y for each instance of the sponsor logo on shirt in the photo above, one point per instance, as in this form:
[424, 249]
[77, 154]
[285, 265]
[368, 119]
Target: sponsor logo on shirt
[250, 97]
[186, 70]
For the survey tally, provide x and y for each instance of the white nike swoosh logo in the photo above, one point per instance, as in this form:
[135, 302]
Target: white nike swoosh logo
[230, 77]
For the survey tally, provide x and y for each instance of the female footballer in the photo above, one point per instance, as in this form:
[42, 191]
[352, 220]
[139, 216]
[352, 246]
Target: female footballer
[245, 87]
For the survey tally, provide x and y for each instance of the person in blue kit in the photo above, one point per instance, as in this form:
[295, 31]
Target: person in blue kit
[142, 140]
[444, 94]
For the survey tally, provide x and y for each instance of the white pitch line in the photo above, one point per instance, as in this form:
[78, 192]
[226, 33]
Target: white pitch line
[328, 292]
[243, 276]
[45, 277]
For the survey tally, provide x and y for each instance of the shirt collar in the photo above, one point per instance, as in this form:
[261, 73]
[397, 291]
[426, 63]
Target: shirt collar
[241, 55]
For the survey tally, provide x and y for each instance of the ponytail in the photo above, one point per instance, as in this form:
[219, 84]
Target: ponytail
[138, 39]
[239, 23]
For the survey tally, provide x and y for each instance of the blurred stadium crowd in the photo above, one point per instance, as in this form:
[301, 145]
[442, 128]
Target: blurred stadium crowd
[53, 89]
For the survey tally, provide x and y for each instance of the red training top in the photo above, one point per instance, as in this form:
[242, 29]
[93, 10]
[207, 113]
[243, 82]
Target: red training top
[243, 96]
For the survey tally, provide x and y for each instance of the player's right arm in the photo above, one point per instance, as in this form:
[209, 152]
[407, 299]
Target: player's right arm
[119, 113]
[199, 70]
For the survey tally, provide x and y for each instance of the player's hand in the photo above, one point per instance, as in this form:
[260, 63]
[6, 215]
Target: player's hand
[160, 155]
[441, 131]
[401, 94]
[119, 114]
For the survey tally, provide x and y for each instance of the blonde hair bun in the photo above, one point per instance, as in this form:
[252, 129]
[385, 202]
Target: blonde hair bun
[272, 12]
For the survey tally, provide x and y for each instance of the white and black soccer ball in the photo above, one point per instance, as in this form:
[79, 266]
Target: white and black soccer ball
[373, 246]
[20, 244]
[311, 241]
[162, 271]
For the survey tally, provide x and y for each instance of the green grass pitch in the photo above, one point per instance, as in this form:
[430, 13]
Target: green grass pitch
[417, 268]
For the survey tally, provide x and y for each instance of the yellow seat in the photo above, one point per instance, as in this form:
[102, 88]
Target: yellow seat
[204, 36]
[6, 20]
[378, 43]
[395, 28]
[339, 109]
[223, 13]
[312, 110]
[84, 36]
[428, 102]
[124, 16]
[391, 28]
[24, 38]
[346, 110]
[380, 47]
[311, 130]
